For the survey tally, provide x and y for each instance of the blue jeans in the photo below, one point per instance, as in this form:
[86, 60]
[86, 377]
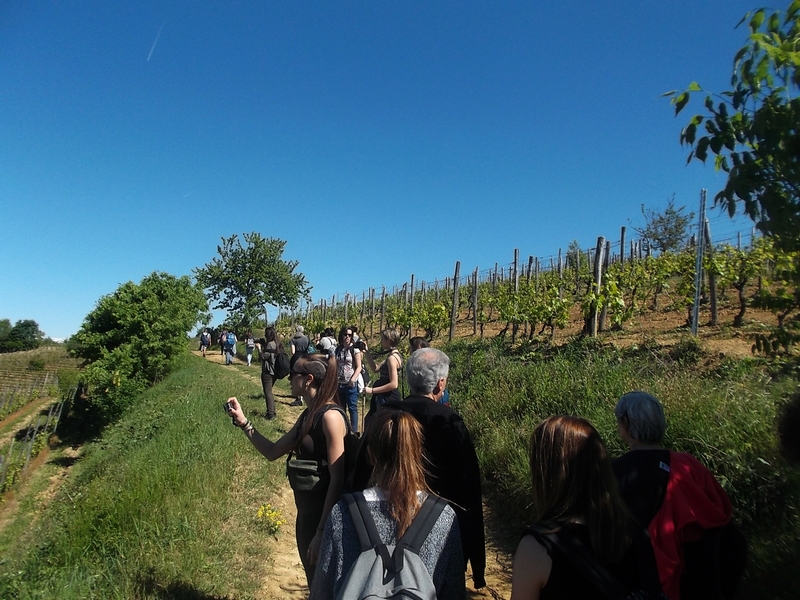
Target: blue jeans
[348, 396]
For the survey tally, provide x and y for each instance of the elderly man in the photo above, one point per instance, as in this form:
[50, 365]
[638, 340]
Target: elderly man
[699, 552]
[453, 465]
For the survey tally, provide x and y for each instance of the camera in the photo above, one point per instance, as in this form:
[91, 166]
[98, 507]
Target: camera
[227, 406]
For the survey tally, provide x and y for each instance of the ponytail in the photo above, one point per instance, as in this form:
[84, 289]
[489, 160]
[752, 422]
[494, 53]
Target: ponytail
[394, 439]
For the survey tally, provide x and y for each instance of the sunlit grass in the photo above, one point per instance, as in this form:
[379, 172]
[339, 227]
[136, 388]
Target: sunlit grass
[165, 501]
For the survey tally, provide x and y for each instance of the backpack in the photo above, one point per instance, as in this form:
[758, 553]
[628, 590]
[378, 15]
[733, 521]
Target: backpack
[383, 571]
[230, 340]
[282, 367]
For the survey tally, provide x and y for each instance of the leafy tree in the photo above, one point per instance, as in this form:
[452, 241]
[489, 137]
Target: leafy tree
[243, 279]
[132, 337]
[24, 335]
[753, 129]
[665, 231]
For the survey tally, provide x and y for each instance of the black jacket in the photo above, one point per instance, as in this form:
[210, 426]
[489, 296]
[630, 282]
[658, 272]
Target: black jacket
[453, 472]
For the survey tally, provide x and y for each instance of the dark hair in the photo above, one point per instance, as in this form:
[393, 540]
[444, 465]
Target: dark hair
[571, 478]
[323, 370]
[342, 333]
[394, 439]
[271, 335]
[417, 342]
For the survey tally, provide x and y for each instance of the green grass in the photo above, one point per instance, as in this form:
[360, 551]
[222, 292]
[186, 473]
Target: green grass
[725, 416]
[165, 502]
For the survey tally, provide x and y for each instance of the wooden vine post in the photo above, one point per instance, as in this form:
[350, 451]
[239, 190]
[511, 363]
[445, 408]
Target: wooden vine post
[712, 277]
[383, 306]
[475, 302]
[411, 311]
[371, 312]
[598, 275]
[604, 313]
[454, 313]
[622, 245]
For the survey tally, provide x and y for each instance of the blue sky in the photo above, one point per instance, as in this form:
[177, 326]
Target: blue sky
[379, 139]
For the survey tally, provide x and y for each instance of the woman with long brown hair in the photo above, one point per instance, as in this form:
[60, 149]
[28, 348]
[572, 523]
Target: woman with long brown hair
[394, 444]
[579, 513]
[318, 435]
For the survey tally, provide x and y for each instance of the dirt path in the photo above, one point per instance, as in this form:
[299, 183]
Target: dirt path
[285, 579]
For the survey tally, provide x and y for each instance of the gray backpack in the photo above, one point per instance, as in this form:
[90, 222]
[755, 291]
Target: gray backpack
[382, 571]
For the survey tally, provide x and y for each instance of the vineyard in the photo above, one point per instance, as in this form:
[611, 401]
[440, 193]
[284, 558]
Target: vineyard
[595, 290]
[34, 388]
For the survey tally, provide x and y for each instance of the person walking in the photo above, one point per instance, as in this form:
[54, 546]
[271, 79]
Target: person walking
[387, 386]
[298, 346]
[268, 350]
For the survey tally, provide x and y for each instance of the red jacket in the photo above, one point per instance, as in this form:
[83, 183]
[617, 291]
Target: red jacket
[694, 501]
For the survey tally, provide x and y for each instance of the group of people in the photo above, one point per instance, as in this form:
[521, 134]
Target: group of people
[602, 529]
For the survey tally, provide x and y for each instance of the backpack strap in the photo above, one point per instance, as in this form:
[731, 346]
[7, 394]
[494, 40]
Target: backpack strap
[367, 532]
[419, 530]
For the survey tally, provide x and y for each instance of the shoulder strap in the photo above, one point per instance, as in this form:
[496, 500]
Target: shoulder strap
[582, 559]
[368, 536]
[423, 522]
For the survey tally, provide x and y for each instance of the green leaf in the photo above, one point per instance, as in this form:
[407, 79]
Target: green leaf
[701, 151]
[694, 87]
[680, 102]
[757, 20]
[689, 133]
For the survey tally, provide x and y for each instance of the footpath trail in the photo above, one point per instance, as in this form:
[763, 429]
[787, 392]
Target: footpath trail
[285, 579]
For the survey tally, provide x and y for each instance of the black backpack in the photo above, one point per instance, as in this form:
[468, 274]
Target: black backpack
[282, 366]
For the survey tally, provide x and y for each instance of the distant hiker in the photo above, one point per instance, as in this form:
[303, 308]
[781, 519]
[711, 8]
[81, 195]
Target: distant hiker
[221, 341]
[452, 468]
[396, 506]
[230, 347]
[205, 341]
[318, 435]
[268, 349]
[250, 345]
[298, 345]
[387, 387]
[327, 343]
[348, 359]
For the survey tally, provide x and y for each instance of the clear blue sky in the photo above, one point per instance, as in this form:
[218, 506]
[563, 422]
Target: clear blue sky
[379, 139]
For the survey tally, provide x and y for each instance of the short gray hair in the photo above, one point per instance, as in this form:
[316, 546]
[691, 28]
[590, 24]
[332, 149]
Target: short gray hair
[644, 415]
[425, 368]
[299, 329]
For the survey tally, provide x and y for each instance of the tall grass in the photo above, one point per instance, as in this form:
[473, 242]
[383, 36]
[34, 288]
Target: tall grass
[724, 415]
[164, 504]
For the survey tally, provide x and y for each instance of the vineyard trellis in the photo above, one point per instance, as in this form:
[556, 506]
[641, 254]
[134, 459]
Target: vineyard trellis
[28, 442]
[611, 282]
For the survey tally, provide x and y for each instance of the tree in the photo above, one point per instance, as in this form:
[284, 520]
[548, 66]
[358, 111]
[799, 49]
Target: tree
[24, 335]
[132, 337]
[665, 231]
[753, 129]
[244, 279]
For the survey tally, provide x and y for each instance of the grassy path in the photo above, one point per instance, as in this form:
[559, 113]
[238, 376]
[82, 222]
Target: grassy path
[284, 574]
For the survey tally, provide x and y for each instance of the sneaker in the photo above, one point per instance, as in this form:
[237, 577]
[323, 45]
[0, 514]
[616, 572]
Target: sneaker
[297, 402]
